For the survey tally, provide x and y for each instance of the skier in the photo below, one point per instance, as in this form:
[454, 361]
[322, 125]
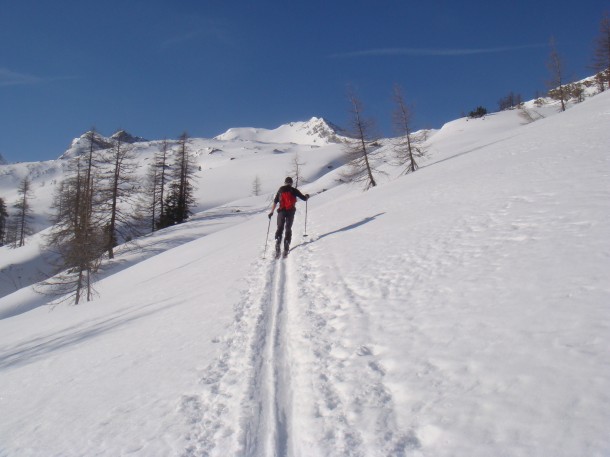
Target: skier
[286, 197]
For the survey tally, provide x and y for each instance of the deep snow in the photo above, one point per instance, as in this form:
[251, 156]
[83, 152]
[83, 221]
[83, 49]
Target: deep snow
[462, 310]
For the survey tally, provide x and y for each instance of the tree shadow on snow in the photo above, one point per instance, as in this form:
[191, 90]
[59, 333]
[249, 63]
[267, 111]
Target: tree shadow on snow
[29, 351]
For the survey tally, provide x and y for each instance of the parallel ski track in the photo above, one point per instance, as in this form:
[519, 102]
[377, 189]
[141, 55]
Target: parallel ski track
[295, 345]
[236, 411]
[269, 428]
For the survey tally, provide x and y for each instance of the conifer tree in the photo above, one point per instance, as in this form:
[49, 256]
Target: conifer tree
[477, 113]
[158, 180]
[11, 238]
[256, 186]
[510, 101]
[3, 221]
[23, 216]
[180, 199]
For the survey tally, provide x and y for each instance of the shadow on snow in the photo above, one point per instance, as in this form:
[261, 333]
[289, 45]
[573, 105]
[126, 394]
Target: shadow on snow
[347, 228]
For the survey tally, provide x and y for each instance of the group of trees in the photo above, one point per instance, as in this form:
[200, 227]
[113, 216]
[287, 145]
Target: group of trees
[511, 100]
[559, 88]
[562, 90]
[480, 111]
[3, 221]
[601, 56]
[94, 207]
[408, 146]
[169, 187]
[15, 226]
[80, 224]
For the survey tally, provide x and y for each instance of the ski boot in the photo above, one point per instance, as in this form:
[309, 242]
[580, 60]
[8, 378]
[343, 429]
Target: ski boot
[278, 249]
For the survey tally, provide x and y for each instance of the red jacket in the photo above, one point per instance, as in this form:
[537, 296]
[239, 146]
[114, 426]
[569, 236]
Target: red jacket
[286, 198]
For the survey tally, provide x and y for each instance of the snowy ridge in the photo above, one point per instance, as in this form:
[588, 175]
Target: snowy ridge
[127, 137]
[80, 145]
[461, 310]
[315, 131]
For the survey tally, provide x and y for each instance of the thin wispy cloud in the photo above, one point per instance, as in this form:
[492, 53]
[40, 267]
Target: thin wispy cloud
[199, 29]
[11, 78]
[425, 52]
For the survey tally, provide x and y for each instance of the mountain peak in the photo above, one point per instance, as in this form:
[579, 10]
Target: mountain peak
[81, 144]
[318, 126]
[314, 131]
[126, 137]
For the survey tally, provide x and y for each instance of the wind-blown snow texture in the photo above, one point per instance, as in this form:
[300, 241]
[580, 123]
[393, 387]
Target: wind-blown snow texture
[463, 310]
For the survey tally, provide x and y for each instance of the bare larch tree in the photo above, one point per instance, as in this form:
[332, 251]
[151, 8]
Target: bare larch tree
[120, 189]
[297, 169]
[601, 57]
[78, 235]
[359, 147]
[557, 91]
[161, 167]
[407, 146]
[151, 208]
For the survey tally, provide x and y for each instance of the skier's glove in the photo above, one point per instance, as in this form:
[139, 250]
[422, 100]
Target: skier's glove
[270, 215]
[306, 197]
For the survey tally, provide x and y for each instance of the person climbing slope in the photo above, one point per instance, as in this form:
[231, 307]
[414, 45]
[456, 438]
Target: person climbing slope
[286, 197]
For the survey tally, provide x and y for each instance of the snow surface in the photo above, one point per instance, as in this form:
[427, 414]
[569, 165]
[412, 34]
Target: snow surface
[463, 310]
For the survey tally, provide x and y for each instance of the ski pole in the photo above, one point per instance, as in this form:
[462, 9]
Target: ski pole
[305, 234]
[267, 238]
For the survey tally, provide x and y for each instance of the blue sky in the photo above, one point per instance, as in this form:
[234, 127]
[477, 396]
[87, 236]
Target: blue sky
[158, 68]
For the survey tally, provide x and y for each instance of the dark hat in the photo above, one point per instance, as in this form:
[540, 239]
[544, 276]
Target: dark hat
[288, 180]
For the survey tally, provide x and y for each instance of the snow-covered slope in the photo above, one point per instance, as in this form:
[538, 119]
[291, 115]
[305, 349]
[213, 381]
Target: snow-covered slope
[227, 171]
[462, 310]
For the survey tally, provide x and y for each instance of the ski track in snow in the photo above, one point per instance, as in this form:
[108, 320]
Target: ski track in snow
[300, 373]
[213, 414]
[242, 408]
[267, 428]
[288, 331]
